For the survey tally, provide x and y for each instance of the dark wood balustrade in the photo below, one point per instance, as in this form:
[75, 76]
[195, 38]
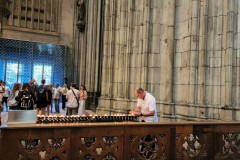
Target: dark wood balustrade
[208, 140]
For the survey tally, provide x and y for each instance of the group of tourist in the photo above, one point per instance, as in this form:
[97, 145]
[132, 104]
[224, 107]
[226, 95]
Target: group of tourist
[42, 97]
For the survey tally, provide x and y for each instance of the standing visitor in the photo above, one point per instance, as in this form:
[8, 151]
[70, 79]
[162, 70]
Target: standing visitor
[64, 93]
[12, 103]
[82, 100]
[42, 98]
[33, 86]
[25, 98]
[1, 96]
[33, 89]
[72, 99]
[56, 97]
[49, 103]
[5, 95]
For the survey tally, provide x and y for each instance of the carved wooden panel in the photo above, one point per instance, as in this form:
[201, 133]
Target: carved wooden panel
[190, 143]
[227, 142]
[147, 142]
[104, 143]
[35, 144]
[60, 144]
[118, 142]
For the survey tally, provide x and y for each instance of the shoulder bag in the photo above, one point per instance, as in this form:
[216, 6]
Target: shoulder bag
[76, 98]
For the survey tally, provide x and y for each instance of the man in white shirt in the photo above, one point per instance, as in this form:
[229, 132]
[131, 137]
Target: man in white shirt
[72, 97]
[146, 106]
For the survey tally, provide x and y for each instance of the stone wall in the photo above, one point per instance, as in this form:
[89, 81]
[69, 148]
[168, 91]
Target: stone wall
[184, 52]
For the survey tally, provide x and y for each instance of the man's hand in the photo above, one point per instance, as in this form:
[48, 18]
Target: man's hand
[135, 113]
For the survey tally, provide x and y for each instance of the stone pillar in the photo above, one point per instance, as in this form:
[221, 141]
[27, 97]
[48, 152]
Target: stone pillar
[200, 90]
[230, 66]
[168, 59]
[87, 51]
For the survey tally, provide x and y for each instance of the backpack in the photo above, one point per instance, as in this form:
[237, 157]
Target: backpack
[41, 92]
[26, 101]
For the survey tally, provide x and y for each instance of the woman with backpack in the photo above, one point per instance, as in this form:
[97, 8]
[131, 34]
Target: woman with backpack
[25, 97]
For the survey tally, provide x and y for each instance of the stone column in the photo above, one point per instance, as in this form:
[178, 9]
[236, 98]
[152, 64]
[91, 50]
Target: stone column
[229, 66]
[200, 92]
[168, 59]
[86, 51]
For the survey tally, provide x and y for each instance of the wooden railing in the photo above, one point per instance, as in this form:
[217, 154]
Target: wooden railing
[122, 141]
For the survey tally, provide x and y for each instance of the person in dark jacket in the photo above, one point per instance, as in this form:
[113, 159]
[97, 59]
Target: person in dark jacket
[42, 96]
[49, 103]
[26, 98]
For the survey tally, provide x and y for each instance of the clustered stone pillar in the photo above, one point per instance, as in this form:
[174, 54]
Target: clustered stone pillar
[87, 48]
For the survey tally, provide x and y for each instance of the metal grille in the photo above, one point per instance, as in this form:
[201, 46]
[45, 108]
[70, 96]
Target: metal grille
[21, 60]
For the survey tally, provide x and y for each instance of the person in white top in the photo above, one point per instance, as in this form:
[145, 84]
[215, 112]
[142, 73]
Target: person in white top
[5, 94]
[146, 106]
[82, 100]
[72, 99]
[12, 103]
